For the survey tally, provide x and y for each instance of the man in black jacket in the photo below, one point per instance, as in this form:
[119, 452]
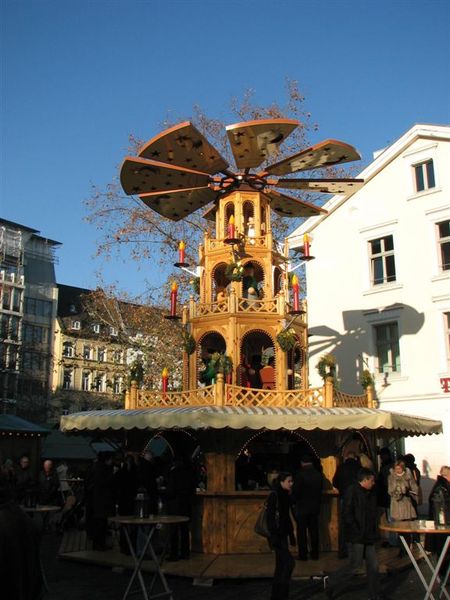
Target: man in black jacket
[307, 497]
[346, 474]
[361, 531]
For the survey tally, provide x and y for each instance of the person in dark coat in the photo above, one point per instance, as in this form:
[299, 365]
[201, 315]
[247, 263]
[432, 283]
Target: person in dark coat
[179, 493]
[25, 484]
[19, 550]
[101, 497]
[345, 476]
[360, 520]
[126, 486]
[49, 485]
[307, 498]
[281, 530]
[147, 475]
[439, 499]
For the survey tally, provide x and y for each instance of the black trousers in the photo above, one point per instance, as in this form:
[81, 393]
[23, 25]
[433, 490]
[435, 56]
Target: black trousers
[180, 546]
[308, 524]
[284, 565]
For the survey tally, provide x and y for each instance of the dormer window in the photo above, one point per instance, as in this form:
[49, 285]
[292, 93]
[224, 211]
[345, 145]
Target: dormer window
[424, 176]
[76, 325]
[96, 327]
[113, 331]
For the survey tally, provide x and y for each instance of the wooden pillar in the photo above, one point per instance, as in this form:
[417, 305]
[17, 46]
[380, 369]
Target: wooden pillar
[219, 390]
[370, 394]
[328, 392]
[133, 395]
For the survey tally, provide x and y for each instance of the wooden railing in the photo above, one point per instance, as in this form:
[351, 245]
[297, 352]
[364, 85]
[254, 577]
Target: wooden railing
[238, 396]
[221, 394]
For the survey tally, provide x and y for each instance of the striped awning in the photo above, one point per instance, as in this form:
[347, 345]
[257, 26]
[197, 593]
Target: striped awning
[222, 417]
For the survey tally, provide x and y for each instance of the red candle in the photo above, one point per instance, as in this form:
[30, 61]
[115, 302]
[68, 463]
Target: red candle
[231, 227]
[164, 379]
[306, 241]
[173, 299]
[295, 289]
[181, 248]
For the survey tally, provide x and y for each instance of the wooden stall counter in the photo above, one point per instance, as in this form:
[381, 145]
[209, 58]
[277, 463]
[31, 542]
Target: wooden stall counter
[223, 522]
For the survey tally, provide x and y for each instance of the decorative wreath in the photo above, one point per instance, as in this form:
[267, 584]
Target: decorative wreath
[234, 271]
[189, 344]
[326, 365]
[366, 379]
[195, 283]
[221, 363]
[287, 339]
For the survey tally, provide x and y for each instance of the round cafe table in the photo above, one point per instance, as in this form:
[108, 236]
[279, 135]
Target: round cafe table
[408, 528]
[149, 524]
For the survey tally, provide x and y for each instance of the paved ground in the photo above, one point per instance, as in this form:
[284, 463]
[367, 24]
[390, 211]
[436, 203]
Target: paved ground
[74, 581]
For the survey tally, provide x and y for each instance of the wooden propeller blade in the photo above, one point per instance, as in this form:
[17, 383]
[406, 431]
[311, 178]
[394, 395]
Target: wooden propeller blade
[252, 142]
[325, 154]
[287, 206]
[185, 146]
[178, 204]
[141, 175]
[327, 186]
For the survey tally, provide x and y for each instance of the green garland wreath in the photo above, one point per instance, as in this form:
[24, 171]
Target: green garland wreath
[326, 360]
[287, 339]
[189, 343]
[234, 271]
[366, 379]
[221, 363]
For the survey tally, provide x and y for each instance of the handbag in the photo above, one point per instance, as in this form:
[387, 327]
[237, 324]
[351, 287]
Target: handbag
[261, 526]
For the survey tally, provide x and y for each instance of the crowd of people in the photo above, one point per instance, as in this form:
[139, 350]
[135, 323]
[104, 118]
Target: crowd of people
[364, 497]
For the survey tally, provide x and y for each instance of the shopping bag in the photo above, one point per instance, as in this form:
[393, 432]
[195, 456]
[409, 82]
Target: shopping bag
[261, 527]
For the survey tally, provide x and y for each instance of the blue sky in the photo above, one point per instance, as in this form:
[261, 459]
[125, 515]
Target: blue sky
[78, 76]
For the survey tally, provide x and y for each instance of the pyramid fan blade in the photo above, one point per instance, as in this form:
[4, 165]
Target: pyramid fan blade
[252, 142]
[287, 206]
[140, 175]
[325, 154]
[184, 145]
[327, 186]
[178, 204]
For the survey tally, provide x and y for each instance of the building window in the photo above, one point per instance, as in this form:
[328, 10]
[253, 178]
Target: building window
[87, 352]
[100, 382]
[67, 379]
[117, 356]
[382, 260]
[447, 332]
[40, 308]
[113, 331]
[444, 244]
[86, 381]
[101, 355]
[96, 328]
[424, 176]
[387, 347]
[76, 325]
[68, 350]
[117, 384]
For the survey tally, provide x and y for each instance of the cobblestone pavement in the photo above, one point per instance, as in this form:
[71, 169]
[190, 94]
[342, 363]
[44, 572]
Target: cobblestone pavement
[75, 581]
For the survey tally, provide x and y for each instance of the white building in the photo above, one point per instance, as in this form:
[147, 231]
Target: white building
[379, 288]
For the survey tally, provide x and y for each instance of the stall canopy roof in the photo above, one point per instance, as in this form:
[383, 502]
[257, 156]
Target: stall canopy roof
[217, 417]
[13, 424]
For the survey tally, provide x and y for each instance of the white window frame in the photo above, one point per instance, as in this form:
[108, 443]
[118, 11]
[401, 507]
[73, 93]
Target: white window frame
[68, 350]
[87, 352]
[395, 366]
[70, 383]
[86, 381]
[113, 331]
[117, 385]
[383, 255]
[96, 327]
[422, 165]
[101, 354]
[76, 325]
[441, 242]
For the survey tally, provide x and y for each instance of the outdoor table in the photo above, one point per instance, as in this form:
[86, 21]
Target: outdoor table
[41, 510]
[127, 523]
[404, 528]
